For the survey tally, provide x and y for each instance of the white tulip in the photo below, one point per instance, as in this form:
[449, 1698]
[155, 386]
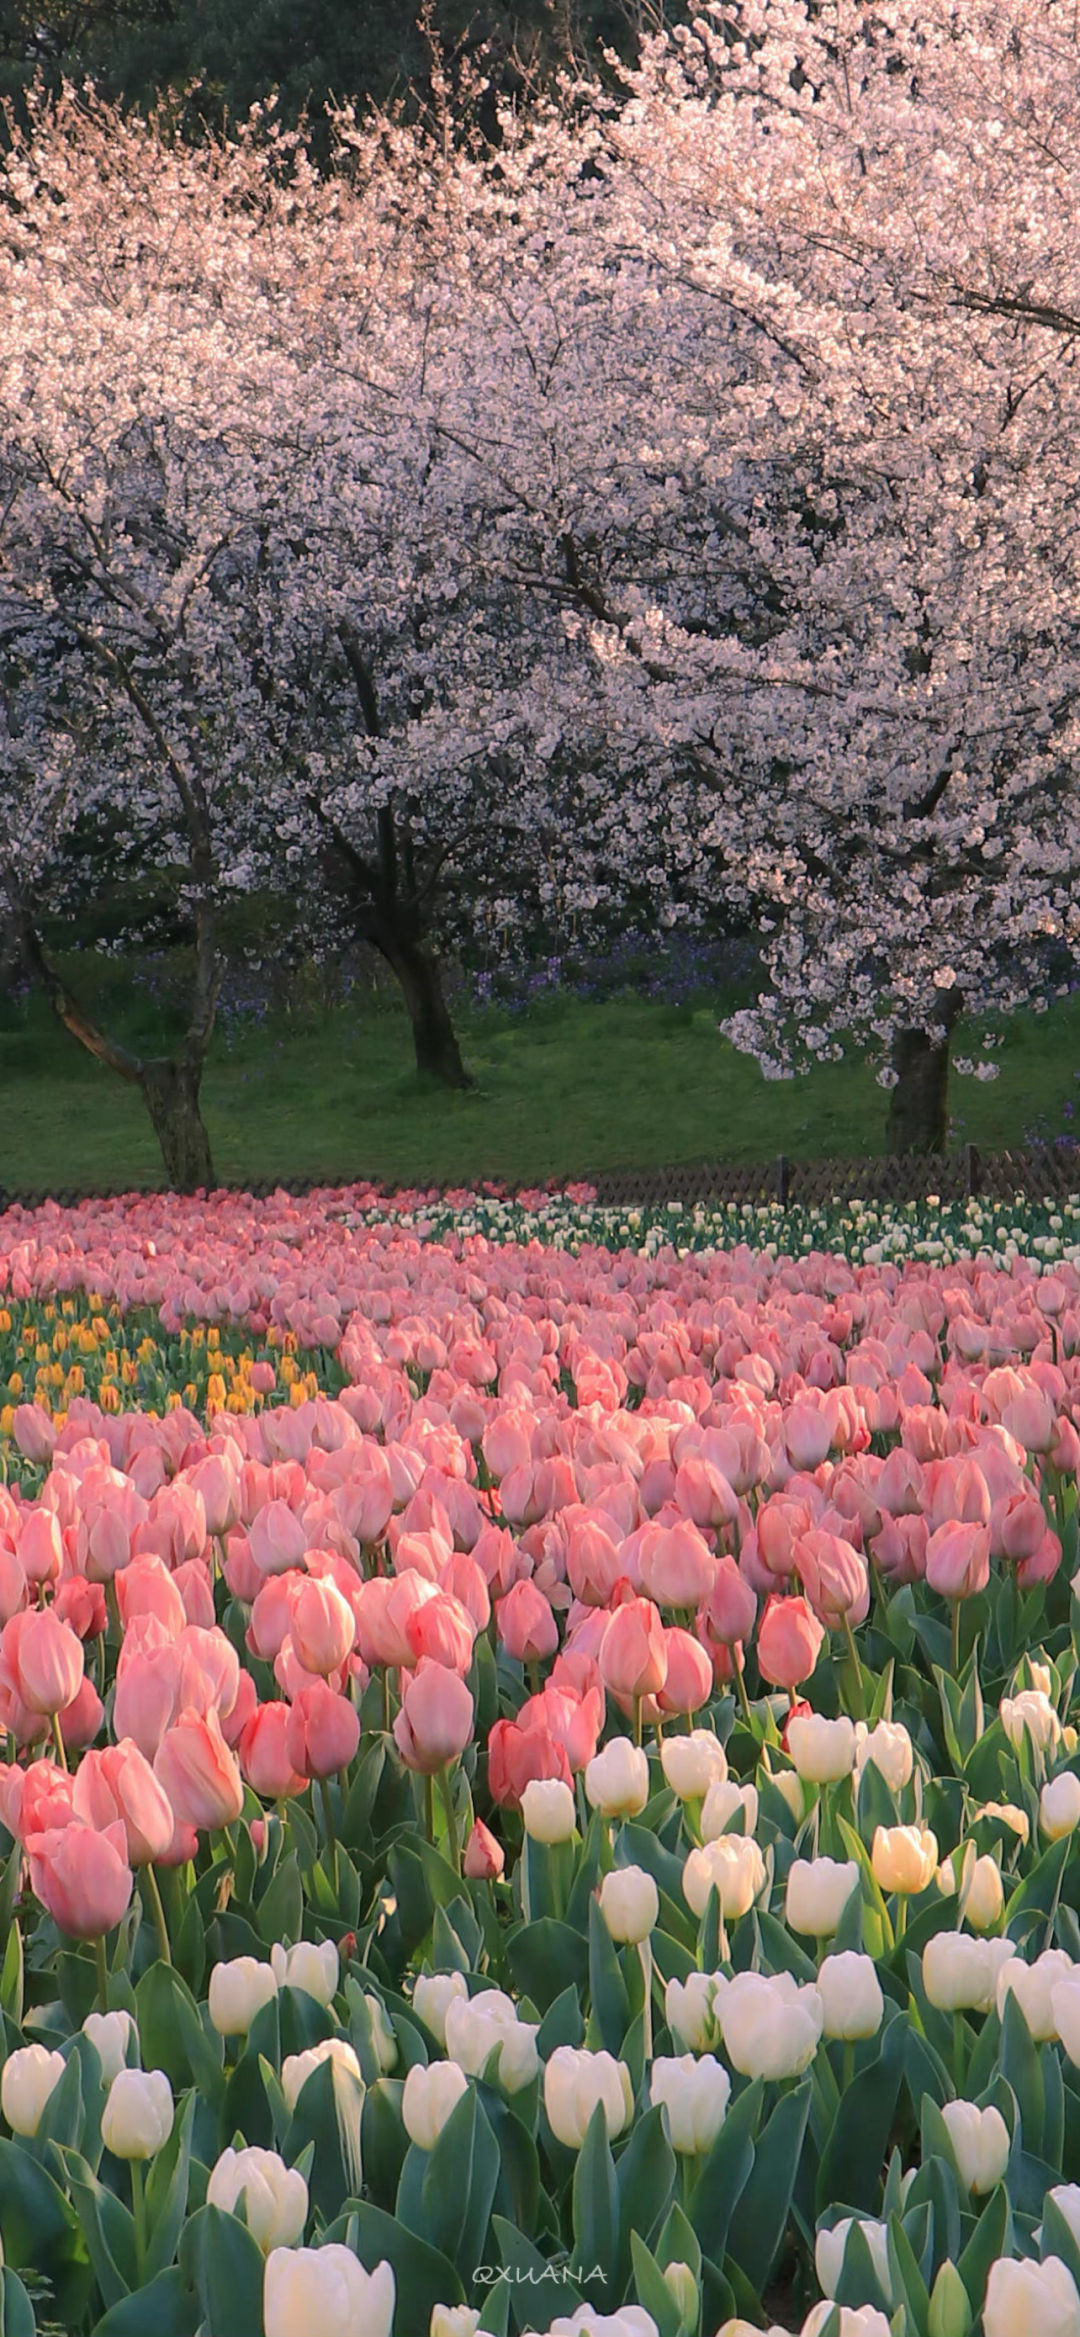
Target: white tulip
[478, 2026]
[433, 1994]
[960, 1974]
[890, 1749]
[327, 2290]
[1065, 2006]
[722, 1803]
[789, 1783]
[110, 2034]
[428, 2098]
[1066, 2198]
[1033, 1711]
[137, 2119]
[830, 2246]
[238, 1990]
[985, 1900]
[274, 2196]
[1034, 1986]
[855, 2320]
[818, 1890]
[980, 2140]
[575, 2082]
[692, 1763]
[548, 1809]
[617, 1780]
[852, 2004]
[904, 1858]
[770, 2026]
[629, 2321]
[1031, 2300]
[689, 2009]
[822, 1750]
[695, 2093]
[298, 2067]
[31, 2075]
[629, 1904]
[454, 2321]
[382, 2035]
[314, 1968]
[1059, 1805]
[734, 1866]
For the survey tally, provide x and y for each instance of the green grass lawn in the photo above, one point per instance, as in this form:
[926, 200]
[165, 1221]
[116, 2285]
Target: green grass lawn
[573, 1087]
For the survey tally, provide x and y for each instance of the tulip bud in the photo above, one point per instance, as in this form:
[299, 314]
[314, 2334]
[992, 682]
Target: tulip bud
[689, 2011]
[484, 1857]
[722, 1803]
[960, 1974]
[789, 1783]
[950, 2307]
[383, 2038]
[1031, 1711]
[137, 2119]
[478, 2026]
[1035, 1986]
[980, 2141]
[986, 1895]
[890, 1749]
[433, 1994]
[1059, 1805]
[680, 2281]
[454, 2321]
[326, 2289]
[770, 2026]
[734, 1866]
[547, 1807]
[110, 2034]
[429, 2097]
[629, 1904]
[30, 2075]
[274, 2196]
[238, 1990]
[316, 1969]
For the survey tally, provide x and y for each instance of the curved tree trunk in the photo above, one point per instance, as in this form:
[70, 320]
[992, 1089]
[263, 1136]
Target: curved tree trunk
[170, 1091]
[434, 1037]
[919, 1103]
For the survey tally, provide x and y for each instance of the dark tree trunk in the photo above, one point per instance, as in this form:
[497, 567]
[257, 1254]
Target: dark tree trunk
[170, 1091]
[919, 1104]
[434, 1037]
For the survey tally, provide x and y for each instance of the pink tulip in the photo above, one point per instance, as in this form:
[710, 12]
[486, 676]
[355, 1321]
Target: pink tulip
[271, 1613]
[146, 1587]
[198, 1772]
[323, 1731]
[383, 1608]
[704, 1495]
[34, 1433]
[442, 1629]
[81, 1605]
[516, 1755]
[264, 1754]
[323, 1627]
[730, 1610]
[147, 1681]
[276, 1539]
[118, 1784]
[41, 1661]
[677, 1565]
[899, 1551]
[81, 1720]
[1043, 1563]
[14, 1587]
[573, 1717]
[834, 1577]
[35, 1799]
[484, 1857]
[958, 1560]
[40, 1547]
[435, 1722]
[192, 1580]
[789, 1642]
[781, 1521]
[807, 1436]
[689, 1681]
[81, 1877]
[633, 1652]
[526, 1625]
[592, 1563]
[1017, 1525]
[217, 1482]
[235, 1720]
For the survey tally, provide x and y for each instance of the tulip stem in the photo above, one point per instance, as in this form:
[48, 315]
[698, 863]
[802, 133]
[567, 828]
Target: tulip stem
[637, 1721]
[900, 1925]
[959, 2030]
[860, 1705]
[328, 1823]
[956, 1639]
[740, 1687]
[447, 1798]
[157, 1911]
[102, 1973]
[138, 2211]
[386, 1699]
[848, 2077]
[429, 1808]
[645, 1952]
[58, 1740]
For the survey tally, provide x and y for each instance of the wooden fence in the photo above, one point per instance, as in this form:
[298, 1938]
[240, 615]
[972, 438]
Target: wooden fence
[1040, 1172]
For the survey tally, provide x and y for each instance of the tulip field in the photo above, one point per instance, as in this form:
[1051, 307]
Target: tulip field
[542, 1786]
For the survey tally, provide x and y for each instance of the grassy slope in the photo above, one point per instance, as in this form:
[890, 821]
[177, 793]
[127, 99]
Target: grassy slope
[573, 1088]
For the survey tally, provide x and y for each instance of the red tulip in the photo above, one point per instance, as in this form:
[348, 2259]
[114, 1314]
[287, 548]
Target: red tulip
[517, 1755]
[788, 1643]
[484, 1858]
